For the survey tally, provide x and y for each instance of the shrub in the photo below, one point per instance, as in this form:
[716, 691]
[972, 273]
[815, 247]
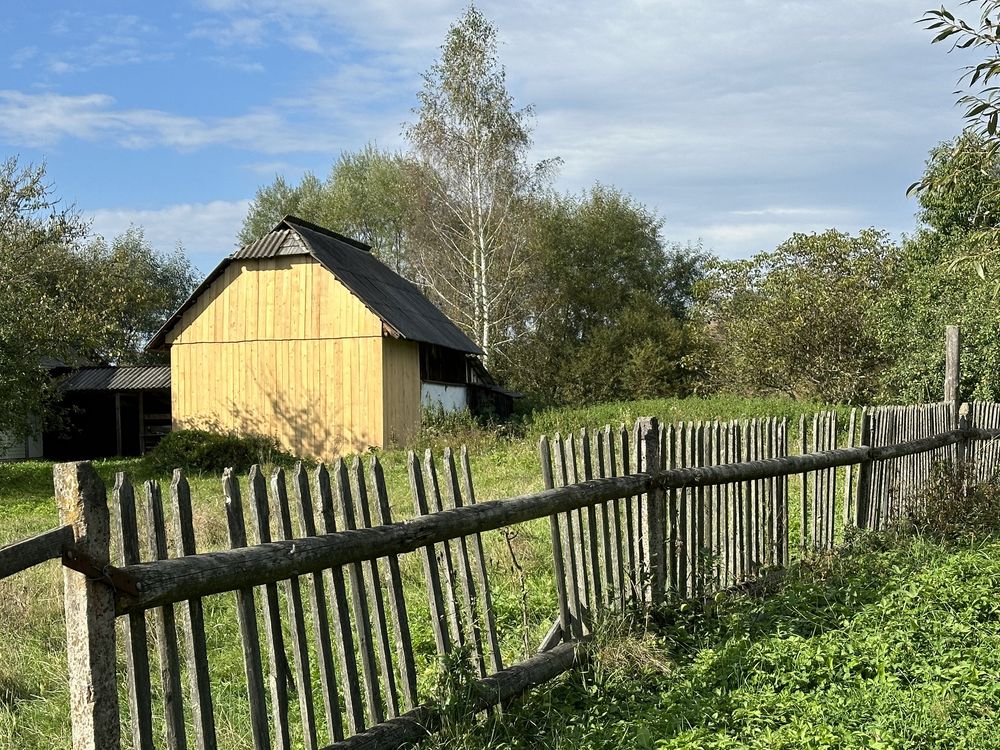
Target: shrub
[954, 507]
[206, 451]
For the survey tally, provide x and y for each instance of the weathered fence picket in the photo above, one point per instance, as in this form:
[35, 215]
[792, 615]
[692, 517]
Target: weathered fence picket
[638, 518]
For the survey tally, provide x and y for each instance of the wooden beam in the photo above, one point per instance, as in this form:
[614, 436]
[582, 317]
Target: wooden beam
[499, 688]
[35, 550]
[216, 572]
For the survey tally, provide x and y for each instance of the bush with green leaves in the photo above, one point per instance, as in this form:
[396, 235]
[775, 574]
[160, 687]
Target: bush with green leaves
[208, 451]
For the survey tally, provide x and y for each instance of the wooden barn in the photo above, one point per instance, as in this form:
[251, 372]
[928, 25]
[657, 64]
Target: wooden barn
[306, 336]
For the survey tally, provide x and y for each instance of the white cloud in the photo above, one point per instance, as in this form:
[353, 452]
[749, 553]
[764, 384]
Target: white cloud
[206, 231]
[39, 120]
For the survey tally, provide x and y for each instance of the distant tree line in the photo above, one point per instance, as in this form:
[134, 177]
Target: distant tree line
[574, 297]
[580, 297]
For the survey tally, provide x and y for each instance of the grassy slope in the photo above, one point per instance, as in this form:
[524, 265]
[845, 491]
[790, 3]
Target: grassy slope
[32, 666]
[884, 648]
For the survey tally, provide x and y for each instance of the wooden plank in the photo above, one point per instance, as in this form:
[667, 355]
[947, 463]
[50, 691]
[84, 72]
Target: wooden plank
[624, 456]
[193, 621]
[216, 572]
[556, 534]
[134, 627]
[397, 601]
[850, 510]
[683, 514]
[618, 567]
[49, 545]
[606, 533]
[497, 689]
[246, 617]
[373, 582]
[273, 634]
[342, 629]
[296, 614]
[704, 532]
[165, 626]
[482, 578]
[579, 545]
[320, 617]
[359, 600]
[568, 535]
[470, 597]
[596, 594]
[804, 490]
[450, 586]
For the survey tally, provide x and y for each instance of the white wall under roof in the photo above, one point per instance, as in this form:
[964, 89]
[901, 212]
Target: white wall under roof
[448, 398]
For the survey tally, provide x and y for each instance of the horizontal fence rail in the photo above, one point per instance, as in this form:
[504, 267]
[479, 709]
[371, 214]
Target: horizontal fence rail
[177, 579]
[49, 545]
[317, 569]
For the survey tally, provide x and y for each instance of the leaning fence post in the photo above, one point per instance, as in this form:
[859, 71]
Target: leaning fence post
[90, 609]
[652, 510]
[862, 512]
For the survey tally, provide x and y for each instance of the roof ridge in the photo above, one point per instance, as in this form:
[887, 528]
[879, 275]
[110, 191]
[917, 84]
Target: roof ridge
[292, 222]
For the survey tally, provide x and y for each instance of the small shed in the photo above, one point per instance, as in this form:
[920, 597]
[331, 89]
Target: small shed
[110, 411]
[306, 336]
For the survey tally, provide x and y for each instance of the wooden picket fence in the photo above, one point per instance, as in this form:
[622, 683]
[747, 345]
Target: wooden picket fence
[317, 565]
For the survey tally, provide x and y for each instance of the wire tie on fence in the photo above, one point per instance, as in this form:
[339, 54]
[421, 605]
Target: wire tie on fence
[114, 577]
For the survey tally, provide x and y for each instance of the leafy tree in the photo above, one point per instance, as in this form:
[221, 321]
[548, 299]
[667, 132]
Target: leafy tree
[935, 288]
[64, 299]
[367, 196]
[473, 185]
[801, 320]
[273, 202]
[928, 296]
[606, 314]
[43, 293]
[136, 289]
[971, 165]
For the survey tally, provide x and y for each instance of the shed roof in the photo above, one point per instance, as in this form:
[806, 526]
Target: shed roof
[118, 379]
[404, 311]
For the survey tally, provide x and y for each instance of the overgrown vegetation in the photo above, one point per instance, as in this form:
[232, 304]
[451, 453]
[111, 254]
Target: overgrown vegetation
[890, 643]
[895, 642]
[206, 451]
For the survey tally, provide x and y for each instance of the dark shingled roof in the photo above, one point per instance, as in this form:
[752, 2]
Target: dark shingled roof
[405, 312]
[118, 379]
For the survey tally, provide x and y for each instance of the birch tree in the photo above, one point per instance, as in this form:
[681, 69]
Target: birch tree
[472, 184]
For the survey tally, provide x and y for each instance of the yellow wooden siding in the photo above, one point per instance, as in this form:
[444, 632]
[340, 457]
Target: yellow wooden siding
[278, 346]
[275, 298]
[401, 389]
[326, 413]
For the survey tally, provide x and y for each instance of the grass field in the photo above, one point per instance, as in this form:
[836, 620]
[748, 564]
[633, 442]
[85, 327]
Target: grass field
[886, 646]
[33, 698]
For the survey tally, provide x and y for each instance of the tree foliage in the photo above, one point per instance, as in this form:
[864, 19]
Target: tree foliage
[367, 196]
[474, 184]
[935, 288]
[62, 298]
[801, 320]
[606, 312]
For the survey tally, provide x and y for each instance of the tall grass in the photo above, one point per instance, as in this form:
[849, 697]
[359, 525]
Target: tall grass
[33, 698]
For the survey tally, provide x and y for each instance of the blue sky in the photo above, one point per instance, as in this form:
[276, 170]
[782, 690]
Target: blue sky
[738, 121]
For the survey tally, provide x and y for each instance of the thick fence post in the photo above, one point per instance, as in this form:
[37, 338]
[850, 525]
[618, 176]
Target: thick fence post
[953, 372]
[862, 514]
[90, 609]
[652, 524]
